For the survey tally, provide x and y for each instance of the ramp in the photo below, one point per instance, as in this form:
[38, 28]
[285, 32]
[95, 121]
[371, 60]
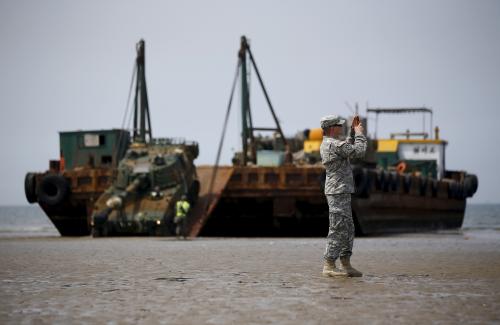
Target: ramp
[207, 201]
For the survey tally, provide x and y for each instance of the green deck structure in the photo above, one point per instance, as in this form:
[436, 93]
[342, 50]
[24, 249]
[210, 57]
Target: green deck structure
[98, 148]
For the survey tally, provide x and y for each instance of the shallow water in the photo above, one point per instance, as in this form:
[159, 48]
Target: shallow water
[25, 221]
[31, 221]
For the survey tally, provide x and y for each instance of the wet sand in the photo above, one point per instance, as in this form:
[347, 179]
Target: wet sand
[422, 278]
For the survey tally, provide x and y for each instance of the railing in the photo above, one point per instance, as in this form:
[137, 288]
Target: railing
[173, 141]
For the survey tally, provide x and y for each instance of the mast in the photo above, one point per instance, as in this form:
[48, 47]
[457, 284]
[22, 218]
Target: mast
[142, 120]
[245, 101]
[247, 136]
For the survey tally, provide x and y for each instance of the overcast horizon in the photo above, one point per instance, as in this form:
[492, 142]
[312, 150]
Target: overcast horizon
[67, 66]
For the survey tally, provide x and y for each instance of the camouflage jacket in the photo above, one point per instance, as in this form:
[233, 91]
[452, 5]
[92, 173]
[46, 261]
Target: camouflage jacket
[335, 156]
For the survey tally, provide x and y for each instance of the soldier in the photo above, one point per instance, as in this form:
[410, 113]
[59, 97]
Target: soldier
[181, 210]
[339, 185]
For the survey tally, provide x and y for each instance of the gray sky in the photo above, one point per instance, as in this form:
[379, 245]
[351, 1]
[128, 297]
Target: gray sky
[66, 65]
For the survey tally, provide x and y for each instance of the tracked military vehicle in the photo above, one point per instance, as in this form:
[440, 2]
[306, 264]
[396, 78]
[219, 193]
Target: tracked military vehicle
[150, 180]
[153, 175]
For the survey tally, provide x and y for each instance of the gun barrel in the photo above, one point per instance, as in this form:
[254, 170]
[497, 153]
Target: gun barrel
[134, 185]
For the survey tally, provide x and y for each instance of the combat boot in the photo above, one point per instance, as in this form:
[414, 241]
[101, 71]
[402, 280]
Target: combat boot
[330, 269]
[345, 265]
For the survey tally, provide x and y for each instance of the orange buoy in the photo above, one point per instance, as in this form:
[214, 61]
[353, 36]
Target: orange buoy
[401, 167]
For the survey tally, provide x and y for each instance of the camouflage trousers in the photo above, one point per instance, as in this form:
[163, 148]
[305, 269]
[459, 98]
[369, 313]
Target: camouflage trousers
[341, 232]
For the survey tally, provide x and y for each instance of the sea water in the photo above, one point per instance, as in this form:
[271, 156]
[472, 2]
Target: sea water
[28, 221]
[22, 221]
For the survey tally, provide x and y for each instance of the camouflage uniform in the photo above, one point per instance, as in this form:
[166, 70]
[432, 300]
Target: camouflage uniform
[339, 185]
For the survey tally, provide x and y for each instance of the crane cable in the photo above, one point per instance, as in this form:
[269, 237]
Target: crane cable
[120, 138]
[134, 71]
[221, 142]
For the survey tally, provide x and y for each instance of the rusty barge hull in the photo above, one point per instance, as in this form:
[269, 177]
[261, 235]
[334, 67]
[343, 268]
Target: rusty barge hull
[289, 201]
[271, 201]
[71, 214]
[393, 212]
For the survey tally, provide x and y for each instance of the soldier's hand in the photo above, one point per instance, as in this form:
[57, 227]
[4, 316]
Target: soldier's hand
[359, 128]
[355, 121]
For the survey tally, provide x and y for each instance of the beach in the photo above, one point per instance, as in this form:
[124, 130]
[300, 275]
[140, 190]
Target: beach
[415, 278]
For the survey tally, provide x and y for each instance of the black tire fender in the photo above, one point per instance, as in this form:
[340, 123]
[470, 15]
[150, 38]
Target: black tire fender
[372, 179]
[434, 187]
[470, 184]
[379, 180]
[30, 187]
[386, 181]
[461, 194]
[423, 186]
[53, 189]
[452, 190]
[407, 183]
[394, 182]
[361, 181]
